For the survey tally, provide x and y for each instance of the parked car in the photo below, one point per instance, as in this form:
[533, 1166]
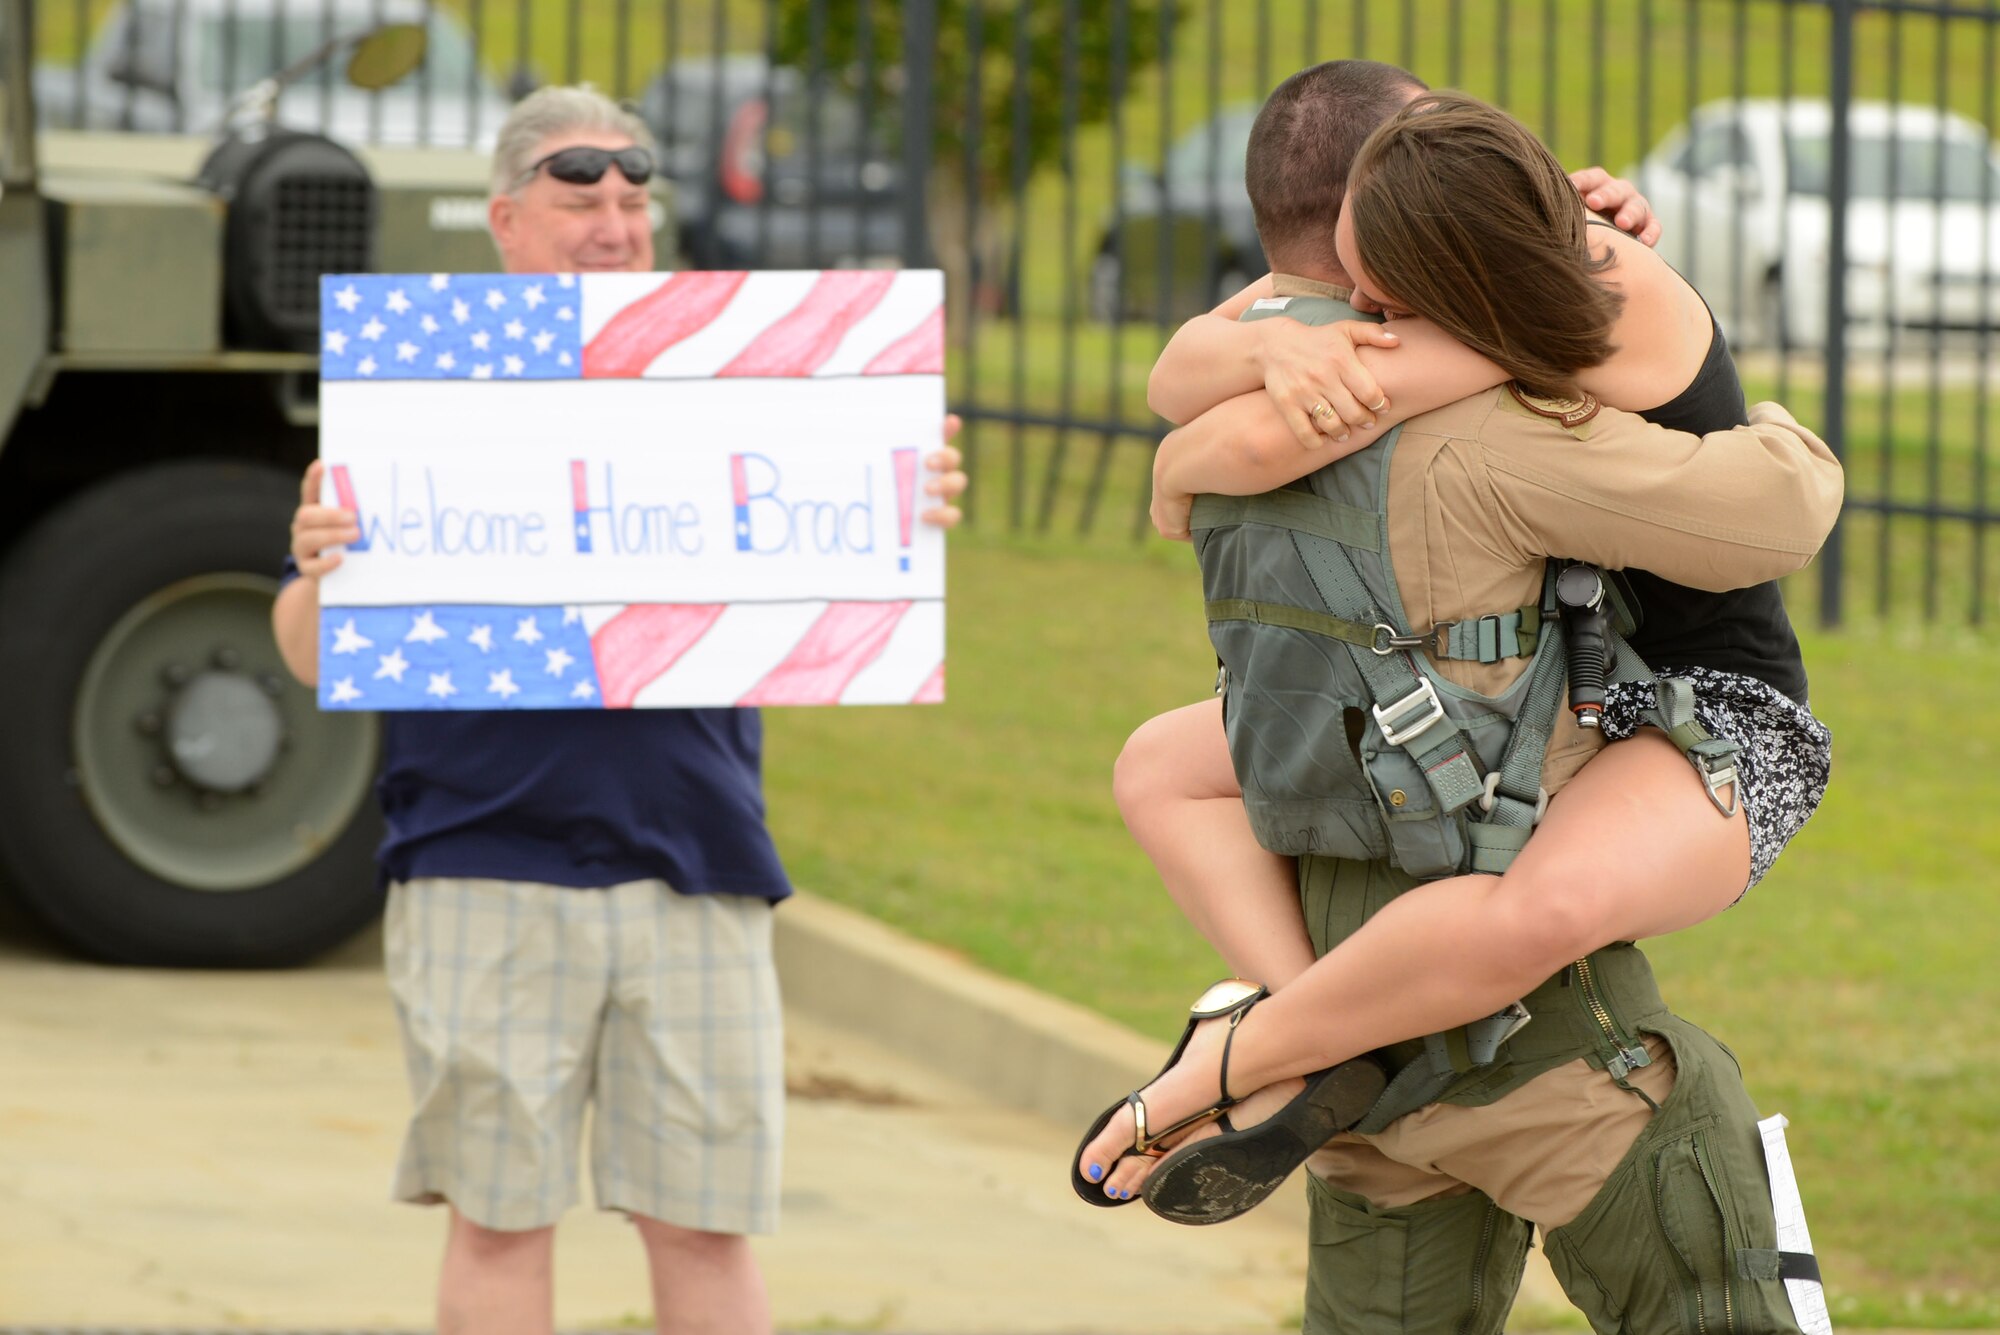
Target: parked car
[1189, 223]
[1742, 189]
[771, 172]
[172, 66]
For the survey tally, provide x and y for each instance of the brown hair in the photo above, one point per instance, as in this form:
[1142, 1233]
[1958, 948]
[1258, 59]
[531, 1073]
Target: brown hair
[1464, 217]
[1301, 147]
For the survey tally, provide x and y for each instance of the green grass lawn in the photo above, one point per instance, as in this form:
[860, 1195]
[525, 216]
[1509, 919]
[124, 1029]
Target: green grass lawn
[1856, 983]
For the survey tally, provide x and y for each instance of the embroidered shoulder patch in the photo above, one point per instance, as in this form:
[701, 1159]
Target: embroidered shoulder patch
[1569, 412]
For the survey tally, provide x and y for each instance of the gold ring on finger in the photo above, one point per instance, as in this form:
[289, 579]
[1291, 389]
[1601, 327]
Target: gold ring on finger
[1320, 410]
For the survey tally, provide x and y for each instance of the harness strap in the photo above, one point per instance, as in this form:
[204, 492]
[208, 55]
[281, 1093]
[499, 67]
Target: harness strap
[1407, 708]
[1291, 508]
[1713, 758]
[1486, 639]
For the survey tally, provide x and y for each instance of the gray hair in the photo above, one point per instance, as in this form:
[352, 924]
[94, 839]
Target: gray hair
[556, 109]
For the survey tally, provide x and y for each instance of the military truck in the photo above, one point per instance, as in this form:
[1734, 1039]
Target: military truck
[168, 795]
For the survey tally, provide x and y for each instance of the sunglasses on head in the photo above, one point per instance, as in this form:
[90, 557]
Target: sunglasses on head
[584, 165]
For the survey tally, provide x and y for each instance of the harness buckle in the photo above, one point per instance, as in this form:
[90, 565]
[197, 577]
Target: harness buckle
[1392, 720]
[1716, 771]
[1492, 795]
[1387, 641]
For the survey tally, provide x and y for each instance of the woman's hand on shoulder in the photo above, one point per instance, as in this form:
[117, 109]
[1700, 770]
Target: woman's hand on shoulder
[1618, 201]
[1314, 375]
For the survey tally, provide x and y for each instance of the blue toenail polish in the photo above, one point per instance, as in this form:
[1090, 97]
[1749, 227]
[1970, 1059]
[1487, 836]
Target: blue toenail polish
[1095, 1172]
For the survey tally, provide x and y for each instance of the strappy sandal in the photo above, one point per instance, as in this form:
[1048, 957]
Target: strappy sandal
[1232, 997]
[1222, 1176]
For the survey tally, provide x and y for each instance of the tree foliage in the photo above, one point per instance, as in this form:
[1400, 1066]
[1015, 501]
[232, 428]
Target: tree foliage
[1008, 75]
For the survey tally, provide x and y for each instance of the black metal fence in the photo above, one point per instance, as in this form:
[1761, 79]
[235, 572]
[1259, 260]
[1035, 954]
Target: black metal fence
[1822, 168]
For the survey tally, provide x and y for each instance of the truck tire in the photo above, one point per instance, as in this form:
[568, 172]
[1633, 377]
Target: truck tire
[169, 795]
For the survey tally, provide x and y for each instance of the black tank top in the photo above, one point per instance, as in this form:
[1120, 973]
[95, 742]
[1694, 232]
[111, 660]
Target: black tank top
[1744, 631]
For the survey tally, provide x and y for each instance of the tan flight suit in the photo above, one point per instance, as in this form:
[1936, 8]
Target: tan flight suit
[1650, 1189]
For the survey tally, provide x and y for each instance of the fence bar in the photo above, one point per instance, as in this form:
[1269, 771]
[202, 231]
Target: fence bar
[920, 42]
[1114, 379]
[975, 250]
[1066, 381]
[1933, 447]
[1981, 402]
[1017, 463]
[1840, 76]
[766, 133]
[1892, 310]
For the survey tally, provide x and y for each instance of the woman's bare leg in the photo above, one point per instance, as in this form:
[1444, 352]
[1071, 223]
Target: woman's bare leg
[1176, 787]
[1631, 848]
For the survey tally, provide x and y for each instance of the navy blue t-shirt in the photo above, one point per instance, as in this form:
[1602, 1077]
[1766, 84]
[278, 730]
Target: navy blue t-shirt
[579, 797]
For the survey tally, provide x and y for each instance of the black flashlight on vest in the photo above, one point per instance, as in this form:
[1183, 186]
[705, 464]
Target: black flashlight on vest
[1586, 613]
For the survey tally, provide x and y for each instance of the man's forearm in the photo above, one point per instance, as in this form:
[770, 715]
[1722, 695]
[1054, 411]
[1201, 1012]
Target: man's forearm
[295, 624]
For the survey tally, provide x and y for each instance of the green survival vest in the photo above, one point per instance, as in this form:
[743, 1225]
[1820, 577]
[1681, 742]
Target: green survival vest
[1346, 741]
[1349, 746]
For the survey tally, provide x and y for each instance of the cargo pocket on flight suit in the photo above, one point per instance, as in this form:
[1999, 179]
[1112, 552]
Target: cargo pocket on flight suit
[1421, 840]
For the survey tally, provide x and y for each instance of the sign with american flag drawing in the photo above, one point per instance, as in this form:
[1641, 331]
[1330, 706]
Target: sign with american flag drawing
[632, 490]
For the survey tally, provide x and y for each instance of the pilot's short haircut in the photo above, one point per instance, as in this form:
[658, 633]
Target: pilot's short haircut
[1301, 146]
[556, 109]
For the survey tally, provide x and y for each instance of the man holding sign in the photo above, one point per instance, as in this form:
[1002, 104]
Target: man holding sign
[580, 899]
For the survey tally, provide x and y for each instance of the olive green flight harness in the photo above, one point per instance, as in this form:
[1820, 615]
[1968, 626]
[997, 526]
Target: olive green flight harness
[1349, 745]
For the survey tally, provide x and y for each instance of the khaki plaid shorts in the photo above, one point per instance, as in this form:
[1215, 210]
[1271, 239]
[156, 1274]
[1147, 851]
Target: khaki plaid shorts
[521, 1003]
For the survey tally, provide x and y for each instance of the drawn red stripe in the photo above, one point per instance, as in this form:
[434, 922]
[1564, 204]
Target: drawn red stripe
[846, 638]
[932, 691]
[919, 352]
[800, 342]
[682, 304]
[643, 641]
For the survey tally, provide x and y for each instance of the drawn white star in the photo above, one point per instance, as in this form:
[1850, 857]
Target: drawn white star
[347, 298]
[562, 359]
[397, 303]
[428, 324]
[572, 615]
[543, 339]
[495, 298]
[559, 661]
[583, 690]
[514, 328]
[482, 371]
[374, 329]
[526, 631]
[406, 351]
[501, 683]
[336, 342]
[482, 340]
[565, 313]
[565, 280]
[483, 637]
[343, 691]
[445, 361]
[533, 296]
[512, 365]
[440, 281]
[425, 629]
[392, 664]
[440, 685]
[459, 310]
[366, 366]
[348, 640]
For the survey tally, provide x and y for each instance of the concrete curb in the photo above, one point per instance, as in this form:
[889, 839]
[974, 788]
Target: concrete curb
[1010, 1043]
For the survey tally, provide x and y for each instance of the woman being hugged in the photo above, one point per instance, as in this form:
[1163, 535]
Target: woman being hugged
[1459, 224]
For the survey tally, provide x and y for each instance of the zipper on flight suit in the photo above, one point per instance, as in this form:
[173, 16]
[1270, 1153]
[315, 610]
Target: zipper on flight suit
[1626, 1055]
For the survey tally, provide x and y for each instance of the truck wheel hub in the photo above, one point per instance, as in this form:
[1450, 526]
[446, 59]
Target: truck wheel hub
[223, 732]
